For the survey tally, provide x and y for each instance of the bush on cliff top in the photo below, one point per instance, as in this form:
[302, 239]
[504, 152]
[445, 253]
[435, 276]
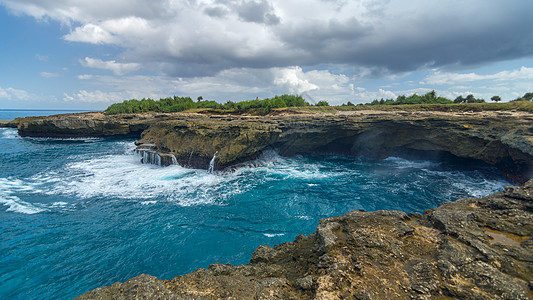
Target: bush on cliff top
[177, 104]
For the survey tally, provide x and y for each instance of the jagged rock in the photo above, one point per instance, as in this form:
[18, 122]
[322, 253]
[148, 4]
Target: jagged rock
[468, 249]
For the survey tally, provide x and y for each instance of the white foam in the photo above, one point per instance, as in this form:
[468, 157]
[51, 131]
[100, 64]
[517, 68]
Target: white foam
[415, 164]
[9, 133]
[9, 187]
[123, 176]
[148, 202]
[80, 139]
[272, 164]
[273, 234]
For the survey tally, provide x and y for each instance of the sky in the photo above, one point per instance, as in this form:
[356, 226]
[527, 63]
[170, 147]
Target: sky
[88, 54]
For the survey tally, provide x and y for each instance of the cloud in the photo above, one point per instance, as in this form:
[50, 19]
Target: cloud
[257, 12]
[48, 75]
[449, 78]
[233, 84]
[204, 37]
[117, 68]
[90, 33]
[14, 94]
[96, 96]
[85, 76]
[293, 79]
[42, 57]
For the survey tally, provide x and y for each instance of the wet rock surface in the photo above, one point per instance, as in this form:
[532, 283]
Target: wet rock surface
[468, 249]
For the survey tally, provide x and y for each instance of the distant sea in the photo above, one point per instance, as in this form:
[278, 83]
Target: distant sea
[76, 214]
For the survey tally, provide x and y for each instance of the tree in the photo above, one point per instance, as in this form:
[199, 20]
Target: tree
[200, 98]
[528, 96]
[496, 99]
[470, 99]
[459, 99]
[322, 103]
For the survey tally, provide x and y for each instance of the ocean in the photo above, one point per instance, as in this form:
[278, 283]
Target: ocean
[76, 214]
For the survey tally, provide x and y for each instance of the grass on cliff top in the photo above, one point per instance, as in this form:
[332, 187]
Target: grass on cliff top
[526, 106]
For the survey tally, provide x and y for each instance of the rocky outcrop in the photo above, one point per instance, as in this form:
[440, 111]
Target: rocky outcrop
[468, 249]
[503, 139]
[8, 124]
[94, 124]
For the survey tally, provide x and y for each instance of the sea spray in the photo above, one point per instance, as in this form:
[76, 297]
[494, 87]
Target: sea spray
[174, 160]
[211, 168]
[190, 157]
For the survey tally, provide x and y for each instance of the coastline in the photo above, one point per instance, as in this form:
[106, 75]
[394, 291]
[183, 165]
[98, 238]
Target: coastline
[500, 138]
[466, 248]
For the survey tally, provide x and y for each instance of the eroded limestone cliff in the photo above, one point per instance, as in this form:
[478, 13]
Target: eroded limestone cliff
[468, 249]
[503, 139]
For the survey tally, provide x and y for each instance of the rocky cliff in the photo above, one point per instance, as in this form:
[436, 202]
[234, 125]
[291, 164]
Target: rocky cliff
[94, 124]
[503, 139]
[468, 249]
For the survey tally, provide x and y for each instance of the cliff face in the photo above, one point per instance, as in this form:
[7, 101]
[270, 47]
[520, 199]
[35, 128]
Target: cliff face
[94, 124]
[503, 139]
[471, 248]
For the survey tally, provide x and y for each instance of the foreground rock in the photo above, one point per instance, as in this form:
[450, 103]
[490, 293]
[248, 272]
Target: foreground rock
[468, 249]
[502, 139]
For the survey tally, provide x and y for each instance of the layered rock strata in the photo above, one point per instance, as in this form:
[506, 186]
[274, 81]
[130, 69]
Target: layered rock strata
[94, 124]
[503, 139]
[468, 249]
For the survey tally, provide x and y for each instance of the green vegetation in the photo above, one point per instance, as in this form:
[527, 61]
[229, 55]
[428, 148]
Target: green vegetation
[432, 98]
[526, 97]
[454, 107]
[428, 98]
[427, 102]
[177, 104]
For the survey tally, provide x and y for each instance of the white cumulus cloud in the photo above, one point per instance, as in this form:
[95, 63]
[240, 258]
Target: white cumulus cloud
[14, 94]
[524, 73]
[96, 96]
[90, 33]
[115, 67]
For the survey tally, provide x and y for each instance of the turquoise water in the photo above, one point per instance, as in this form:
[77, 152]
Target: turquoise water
[76, 214]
